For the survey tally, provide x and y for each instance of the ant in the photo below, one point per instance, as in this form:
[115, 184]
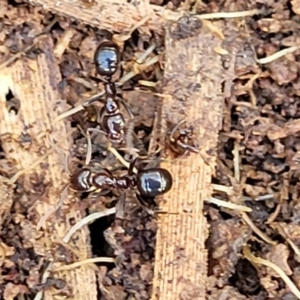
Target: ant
[149, 183]
[181, 141]
[111, 120]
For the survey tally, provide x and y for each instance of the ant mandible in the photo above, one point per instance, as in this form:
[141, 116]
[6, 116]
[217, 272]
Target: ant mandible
[149, 183]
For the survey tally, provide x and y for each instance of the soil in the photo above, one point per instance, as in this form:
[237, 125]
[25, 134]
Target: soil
[256, 157]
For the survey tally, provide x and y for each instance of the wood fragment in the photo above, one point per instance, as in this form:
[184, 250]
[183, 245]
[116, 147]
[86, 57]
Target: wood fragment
[6, 199]
[113, 15]
[193, 91]
[34, 83]
[122, 16]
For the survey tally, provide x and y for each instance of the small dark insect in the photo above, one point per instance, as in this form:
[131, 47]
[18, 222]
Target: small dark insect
[181, 140]
[111, 120]
[148, 182]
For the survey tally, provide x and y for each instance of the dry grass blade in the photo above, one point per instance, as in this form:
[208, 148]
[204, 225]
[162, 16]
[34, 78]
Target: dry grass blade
[228, 205]
[85, 262]
[70, 112]
[222, 188]
[276, 55]
[279, 271]
[175, 16]
[87, 220]
[236, 162]
[229, 15]
[261, 234]
[120, 158]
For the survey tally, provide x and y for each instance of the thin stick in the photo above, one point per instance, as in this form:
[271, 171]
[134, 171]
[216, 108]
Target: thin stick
[131, 74]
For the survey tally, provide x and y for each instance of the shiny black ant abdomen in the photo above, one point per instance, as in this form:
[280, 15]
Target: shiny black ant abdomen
[107, 58]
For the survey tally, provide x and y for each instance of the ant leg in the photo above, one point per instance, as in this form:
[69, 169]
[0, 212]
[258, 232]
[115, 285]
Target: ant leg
[144, 204]
[101, 115]
[188, 147]
[79, 107]
[172, 139]
[99, 193]
[120, 158]
[131, 166]
[179, 143]
[128, 139]
[89, 148]
[52, 210]
[120, 207]
[125, 105]
[130, 134]
[89, 141]
[95, 98]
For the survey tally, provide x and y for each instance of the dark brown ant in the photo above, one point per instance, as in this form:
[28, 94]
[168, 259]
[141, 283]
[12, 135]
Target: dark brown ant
[111, 120]
[149, 183]
[181, 140]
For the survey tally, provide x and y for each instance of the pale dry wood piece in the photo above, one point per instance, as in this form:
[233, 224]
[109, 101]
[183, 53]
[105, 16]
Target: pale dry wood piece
[113, 15]
[6, 199]
[34, 83]
[193, 91]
